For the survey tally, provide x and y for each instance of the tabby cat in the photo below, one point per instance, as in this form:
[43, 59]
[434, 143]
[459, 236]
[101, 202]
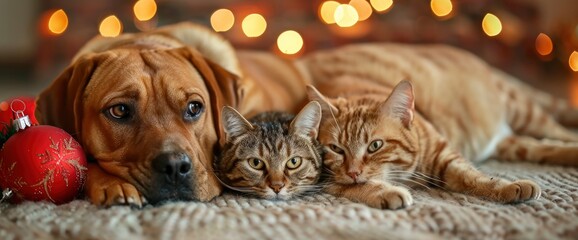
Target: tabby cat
[375, 144]
[465, 112]
[274, 156]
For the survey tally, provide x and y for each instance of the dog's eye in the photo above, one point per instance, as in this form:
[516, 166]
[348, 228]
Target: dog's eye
[194, 110]
[119, 111]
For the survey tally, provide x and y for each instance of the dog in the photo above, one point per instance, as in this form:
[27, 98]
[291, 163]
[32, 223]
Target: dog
[146, 109]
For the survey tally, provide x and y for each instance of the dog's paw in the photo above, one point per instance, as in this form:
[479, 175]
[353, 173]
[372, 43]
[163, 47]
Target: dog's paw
[392, 197]
[106, 190]
[519, 191]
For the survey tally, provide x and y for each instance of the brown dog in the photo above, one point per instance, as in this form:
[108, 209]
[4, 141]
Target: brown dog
[146, 109]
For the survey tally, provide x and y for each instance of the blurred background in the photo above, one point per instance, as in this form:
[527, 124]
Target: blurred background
[535, 40]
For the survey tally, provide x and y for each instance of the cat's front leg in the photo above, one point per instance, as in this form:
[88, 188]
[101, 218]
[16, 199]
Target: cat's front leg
[375, 194]
[459, 175]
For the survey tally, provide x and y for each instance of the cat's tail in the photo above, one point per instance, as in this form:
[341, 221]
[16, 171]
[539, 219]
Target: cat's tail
[562, 111]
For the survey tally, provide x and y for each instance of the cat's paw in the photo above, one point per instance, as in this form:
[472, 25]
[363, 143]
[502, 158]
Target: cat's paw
[519, 191]
[392, 198]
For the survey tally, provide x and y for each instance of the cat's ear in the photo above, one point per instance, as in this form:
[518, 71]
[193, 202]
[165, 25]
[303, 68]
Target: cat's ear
[234, 124]
[306, 123]
[328, 109]
[400, 103]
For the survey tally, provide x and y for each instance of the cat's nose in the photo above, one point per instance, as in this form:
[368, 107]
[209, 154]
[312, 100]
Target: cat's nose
[277, 186]
[354, 174]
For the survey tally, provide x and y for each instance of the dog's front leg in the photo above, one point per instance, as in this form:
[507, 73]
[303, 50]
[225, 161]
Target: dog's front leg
[107, 190]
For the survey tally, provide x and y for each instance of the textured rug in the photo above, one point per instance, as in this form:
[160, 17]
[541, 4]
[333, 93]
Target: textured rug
[436, 214]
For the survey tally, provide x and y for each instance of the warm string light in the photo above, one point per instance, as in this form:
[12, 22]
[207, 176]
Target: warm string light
[222, 20]
[58, 22]
[327, 11]
[110, 26]
[491, 25]
[4, 106]
[544, 45]
[345, 15]
[290, 42]
[381, 5]
[145, 10]
[363, 8]
[254, 25]
[573, 61]
[441, 8]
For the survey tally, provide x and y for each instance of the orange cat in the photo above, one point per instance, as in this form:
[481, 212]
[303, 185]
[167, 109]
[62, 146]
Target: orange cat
[464, 111]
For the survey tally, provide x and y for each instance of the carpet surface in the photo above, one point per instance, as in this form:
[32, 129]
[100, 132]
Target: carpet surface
[436, 214]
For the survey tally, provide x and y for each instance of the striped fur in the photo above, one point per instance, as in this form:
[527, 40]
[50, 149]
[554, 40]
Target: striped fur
[275, 139]
[465, 111]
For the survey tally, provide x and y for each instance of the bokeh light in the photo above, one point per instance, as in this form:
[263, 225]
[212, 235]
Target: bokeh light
[491, 25]
[381, 5]
[254, 25]
[222, 20]
[544, 45]
[145, 10]
[346, 15]
[110, 27]
[363, 9]
[58, 22]
[327, 11]
[573, 61]
[4, 106]
[441, 8]
[290, 42]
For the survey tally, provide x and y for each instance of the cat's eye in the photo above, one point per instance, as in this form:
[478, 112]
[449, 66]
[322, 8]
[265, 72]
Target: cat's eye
[336, 149]
[374, 146]
[255, 163]
[294, 162]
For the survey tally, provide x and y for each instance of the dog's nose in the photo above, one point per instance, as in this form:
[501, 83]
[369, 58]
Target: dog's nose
[175, 166]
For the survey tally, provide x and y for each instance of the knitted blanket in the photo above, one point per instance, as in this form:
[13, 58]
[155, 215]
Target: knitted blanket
[436, 214]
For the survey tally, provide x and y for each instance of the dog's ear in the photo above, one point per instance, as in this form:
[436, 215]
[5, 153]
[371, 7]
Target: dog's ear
[222, 85]
[60, 104]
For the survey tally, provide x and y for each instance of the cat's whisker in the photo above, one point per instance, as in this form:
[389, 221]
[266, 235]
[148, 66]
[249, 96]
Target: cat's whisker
[239, 189]
[304, 189]
[429, 177]
[426, 180]
[328, 170]
[417, 173]
[433, 181]
[408, 180]
[334, 120]
[420, 176]
[429, 182]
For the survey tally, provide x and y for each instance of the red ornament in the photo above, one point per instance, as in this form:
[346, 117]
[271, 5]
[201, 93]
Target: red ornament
[42, 163]
[10, 106]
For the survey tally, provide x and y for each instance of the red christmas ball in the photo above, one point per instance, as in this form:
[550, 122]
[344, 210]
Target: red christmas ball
[42, 163]
[26, 104]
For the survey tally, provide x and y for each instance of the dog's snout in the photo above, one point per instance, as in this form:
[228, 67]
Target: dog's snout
[175, 166]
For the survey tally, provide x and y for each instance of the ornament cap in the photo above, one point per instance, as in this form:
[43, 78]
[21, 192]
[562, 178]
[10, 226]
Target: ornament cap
[20, 121]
